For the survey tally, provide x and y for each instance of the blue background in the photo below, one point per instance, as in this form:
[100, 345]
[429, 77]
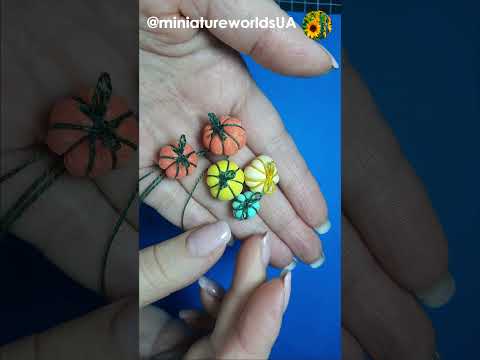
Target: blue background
[311, 112]
[422, 67]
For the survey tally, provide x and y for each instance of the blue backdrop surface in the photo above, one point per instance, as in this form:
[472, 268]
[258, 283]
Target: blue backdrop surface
[311, 110]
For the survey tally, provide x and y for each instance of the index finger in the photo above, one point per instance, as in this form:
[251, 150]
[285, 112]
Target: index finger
[173, 264]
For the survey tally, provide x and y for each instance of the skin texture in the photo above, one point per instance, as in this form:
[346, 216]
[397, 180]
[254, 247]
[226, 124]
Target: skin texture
[175, 69]
[252, 305]
[41, 71]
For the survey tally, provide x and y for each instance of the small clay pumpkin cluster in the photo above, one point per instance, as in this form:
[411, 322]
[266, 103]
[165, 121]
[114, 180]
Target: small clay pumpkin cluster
[225, 180]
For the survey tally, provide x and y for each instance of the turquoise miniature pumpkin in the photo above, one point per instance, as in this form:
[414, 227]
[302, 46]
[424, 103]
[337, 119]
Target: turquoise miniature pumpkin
[246, 205]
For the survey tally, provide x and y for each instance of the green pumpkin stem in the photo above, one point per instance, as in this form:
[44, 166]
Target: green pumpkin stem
[217, 127]
[102, 94]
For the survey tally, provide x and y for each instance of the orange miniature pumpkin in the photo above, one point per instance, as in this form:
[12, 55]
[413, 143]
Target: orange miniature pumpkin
[224, 136]
[178, 159]
[94, 132]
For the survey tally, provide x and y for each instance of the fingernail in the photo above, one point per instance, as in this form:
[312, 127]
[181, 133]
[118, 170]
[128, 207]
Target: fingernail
[211, 287]
[319, 262]
[332, 58]
[266, 249]
[440, 293]
[287, 289]
[208, 238]
[289, 267]
[324, 228]
[188, 315]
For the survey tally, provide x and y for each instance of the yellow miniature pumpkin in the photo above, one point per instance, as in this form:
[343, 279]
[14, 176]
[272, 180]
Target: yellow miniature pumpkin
[262, 175]
[225, 180]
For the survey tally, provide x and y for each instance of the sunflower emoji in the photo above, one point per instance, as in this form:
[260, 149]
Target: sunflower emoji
[317, 25]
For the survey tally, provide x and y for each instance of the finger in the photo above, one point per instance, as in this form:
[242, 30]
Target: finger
[160, 334]
[108, 333]
[83, 253]
[282, 219]
[296, 180]
[259, 324]
[170, 197]
[178, 262]
[287, 50]
[385, 319]
[211, 295]
[351, 349]
[250, 273]
[281, 254]
[387, 203]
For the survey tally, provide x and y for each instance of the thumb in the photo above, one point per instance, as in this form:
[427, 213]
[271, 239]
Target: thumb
[107, 333]
[285, 50]
[260, 322]
[178, 262]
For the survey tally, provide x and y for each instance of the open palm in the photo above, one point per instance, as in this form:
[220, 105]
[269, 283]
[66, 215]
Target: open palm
[60, 223]
[184, 75]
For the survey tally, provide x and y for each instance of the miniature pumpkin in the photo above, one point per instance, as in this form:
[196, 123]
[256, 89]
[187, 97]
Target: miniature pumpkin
[95, 132]
[225, 180]
[262, 175]
[224, 136]
[178, 159]
[246, 205]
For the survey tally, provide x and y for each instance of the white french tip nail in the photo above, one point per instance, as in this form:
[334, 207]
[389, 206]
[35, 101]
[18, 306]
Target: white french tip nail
[324, 228]
[289, 267]
[211, 287]
[287, 289]
[332, 58]
[440, 293]
[319, 262]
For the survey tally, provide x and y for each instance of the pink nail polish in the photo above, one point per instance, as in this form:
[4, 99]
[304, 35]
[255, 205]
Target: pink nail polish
[208, 238]
[287, 288]
[266, 249]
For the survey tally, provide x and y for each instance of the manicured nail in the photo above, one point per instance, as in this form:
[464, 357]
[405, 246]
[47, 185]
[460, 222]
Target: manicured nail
[287, 289]
[211, 287]
[324, 228]
[332, 58]
[208, 238]
[319, 262]
[440, 293]
[266, 250]
[188, 315]
[289, 267]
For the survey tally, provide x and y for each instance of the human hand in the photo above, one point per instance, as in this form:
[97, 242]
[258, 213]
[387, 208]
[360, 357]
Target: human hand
[394, 249]
[185, 74]
[110, 332]
[248, 316]
[42, 63]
